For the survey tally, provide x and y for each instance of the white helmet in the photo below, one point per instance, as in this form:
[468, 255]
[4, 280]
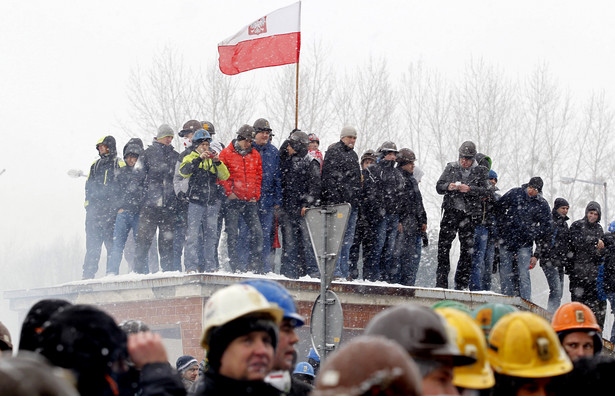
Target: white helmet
[233, 302]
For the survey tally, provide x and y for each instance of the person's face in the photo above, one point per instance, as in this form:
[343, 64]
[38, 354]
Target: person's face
[466, 162]
[248, 358]
[262, 138]
[390, 156]
[367, 162]
[493, 181]
[349, 141]
[440, 382]
[578, 344]
[409, 167]
[203, 147]
[537, 387]
[103, 149]
[313, 145]
[130, 160]
[592, 216]
[245, 143]
[563, 210]
[285, 352]
[191, 373]
[532, 191]
[166, 140]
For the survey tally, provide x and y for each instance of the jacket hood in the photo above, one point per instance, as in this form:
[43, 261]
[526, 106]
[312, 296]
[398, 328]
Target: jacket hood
[484, 160]
[108, 141]
[593, 205]
[134, 146]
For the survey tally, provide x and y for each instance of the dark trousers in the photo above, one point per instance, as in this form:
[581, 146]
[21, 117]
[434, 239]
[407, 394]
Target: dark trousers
[150, 219]
[99, 223]
[363, 237]
[584, 289]
[455, 222]
[406, 257]
[297, 253]
[249, 212]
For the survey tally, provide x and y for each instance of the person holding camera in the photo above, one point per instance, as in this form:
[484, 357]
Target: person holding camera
[203, 168]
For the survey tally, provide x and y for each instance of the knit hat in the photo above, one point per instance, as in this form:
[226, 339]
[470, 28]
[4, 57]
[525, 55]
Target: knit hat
[559, 202]
[221, 336]
[493, 175]
[185, 362]
[246, 132]
[536, 182]
[164, 130]
[467, 149]
[134, 147]
[348, 131]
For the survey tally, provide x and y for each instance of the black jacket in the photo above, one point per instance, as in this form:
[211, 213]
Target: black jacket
[383, 190]
[470, 202]
[609, 262]
[158, 166]
[301, 182]
[413, 214]
[100, 187]
[213, 384]
[341, 176]
[584, 236]
[557, 252]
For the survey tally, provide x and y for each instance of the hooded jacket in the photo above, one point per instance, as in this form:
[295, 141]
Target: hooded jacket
[584, 236]
[129, 193]
[300, 180]
[158, 165]
[383, 190]
[100, 186]
[246, 172]
[341, 176]
[522, 220]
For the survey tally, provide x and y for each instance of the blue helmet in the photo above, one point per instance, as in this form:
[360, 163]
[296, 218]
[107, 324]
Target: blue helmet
[612, 226]
[200, 136]
[313, 355]
[276, 293]
[304, 368]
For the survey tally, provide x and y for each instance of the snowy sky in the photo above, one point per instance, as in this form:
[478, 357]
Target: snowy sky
[64, 67]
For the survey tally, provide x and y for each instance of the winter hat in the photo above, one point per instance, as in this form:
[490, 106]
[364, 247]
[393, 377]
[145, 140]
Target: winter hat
[29, 339]
[536, 182]
[348, 131]
[221, 336]
[83, 338]
[164, 130]
[5, 339]
[467, 149]
[246, 132]
[493, 175]
[133, 147]
[185, 362]
[559, 202]
[190, 127]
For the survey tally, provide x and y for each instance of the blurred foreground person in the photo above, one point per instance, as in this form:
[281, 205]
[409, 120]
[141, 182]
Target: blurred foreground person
[285, 353]
[6, 344]
[30, 375]
[525, 354]
[578, 330]
[590, 376]
[423, 334]
[188, 368]
[471, 342]
[29, 339]
[388, 370]
[239, 334]
[487, 315]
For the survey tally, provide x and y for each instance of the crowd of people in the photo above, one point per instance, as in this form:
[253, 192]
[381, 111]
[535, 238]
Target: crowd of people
[249, 338]
[251, 189]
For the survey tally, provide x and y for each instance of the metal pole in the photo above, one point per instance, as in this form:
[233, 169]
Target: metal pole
[297, 98]
[323, 292]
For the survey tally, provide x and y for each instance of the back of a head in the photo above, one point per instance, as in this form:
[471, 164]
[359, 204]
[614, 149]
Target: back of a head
[6, 343]
[28, 374]
[32, 327]
[388, 370]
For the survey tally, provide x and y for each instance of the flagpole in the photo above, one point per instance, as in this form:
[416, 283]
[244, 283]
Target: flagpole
[297, 97]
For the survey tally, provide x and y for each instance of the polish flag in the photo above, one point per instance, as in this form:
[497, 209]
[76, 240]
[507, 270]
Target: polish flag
[272, 40]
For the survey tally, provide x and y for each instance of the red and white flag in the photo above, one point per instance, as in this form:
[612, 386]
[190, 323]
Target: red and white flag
[272, 40]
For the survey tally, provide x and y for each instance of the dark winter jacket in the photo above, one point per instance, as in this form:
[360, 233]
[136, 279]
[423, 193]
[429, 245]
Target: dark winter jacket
[298, 387]
[300, 180]
[413, 214]
[341, 176]
[158, 166]
[523, 220]
[129, 190]
[559, 247]
[383, 192]
[203, 176]
[100, 187]
[469, 202]
[246, 172]
[271, 188]
[213, 384]
[584, 255]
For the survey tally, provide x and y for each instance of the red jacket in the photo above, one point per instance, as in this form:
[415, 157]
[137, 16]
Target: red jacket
[246, 173]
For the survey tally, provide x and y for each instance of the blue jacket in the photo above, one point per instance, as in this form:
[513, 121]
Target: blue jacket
[522, 220]
[271, 188]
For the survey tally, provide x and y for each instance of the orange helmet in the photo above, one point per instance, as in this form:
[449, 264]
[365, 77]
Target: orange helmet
[574, 316]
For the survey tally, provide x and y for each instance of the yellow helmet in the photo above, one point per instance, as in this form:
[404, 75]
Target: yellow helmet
[522, 344]
[471, 342]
